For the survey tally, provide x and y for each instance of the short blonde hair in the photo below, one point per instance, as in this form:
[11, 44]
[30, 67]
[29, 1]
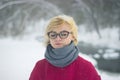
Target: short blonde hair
[59, 20]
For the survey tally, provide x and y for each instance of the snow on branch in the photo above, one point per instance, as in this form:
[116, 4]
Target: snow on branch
[17, 2]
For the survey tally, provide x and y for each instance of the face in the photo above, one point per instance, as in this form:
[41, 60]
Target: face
[60, 40]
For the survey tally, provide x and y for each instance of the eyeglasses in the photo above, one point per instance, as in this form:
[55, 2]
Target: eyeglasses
[62, 34]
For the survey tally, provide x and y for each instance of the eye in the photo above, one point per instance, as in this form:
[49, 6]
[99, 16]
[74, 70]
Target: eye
[64, 33]
[52, 35]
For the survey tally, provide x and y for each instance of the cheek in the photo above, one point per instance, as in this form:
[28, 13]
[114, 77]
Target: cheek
[51, 41]
[67, 41]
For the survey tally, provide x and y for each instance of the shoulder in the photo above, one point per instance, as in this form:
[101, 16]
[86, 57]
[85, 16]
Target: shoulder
[82, 61]
[84, 64]
[40, 65]
[87, 59]
[41, 62]
[86, 68]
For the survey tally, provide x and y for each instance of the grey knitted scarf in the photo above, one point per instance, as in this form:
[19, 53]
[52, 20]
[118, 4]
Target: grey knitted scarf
[61, 57]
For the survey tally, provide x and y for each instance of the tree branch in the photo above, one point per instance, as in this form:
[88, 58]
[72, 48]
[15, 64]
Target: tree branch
[18, 2]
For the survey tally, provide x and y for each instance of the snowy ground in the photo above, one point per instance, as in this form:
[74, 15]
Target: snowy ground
[18, 57]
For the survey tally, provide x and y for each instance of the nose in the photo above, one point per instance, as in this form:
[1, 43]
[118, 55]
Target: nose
[58, 38]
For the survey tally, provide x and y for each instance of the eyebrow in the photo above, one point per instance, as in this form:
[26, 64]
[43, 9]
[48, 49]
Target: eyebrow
[60, 31]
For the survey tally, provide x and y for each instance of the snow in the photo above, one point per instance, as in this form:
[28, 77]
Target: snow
[97, 56]
[110, 37]
[113, 55]
[18, 57]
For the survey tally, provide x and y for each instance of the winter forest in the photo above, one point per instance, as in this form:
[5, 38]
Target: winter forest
[23, 23]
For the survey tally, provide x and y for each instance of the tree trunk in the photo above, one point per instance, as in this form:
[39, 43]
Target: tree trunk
[96, 25]
[119, 34]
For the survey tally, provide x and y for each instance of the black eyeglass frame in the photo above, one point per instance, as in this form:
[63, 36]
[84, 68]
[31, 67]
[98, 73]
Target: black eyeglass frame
[58, 34]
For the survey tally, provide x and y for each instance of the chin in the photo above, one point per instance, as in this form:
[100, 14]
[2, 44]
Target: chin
[58, 46]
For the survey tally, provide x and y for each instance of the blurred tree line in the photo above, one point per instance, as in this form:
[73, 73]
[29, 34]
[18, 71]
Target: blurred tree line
[15, 15]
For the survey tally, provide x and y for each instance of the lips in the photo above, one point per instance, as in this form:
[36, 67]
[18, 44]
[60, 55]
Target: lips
[58, 43]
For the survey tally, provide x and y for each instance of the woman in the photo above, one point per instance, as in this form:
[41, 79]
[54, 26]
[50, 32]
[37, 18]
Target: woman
[61, 57]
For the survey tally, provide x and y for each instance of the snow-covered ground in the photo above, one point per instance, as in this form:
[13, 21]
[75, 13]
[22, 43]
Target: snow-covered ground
[18, 57]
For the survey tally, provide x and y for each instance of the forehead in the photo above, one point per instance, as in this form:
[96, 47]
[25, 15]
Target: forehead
[61, 27]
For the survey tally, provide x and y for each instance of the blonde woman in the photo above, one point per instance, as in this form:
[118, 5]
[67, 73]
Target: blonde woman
[62, 61]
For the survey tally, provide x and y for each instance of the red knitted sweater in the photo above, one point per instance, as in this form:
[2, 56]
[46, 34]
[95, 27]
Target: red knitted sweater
[80, 69]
